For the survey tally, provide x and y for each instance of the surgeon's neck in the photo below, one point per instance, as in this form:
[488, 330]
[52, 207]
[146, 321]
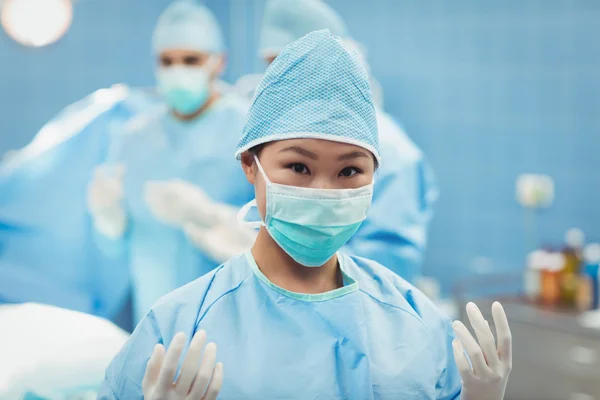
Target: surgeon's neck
[190, 117]
[286, 273]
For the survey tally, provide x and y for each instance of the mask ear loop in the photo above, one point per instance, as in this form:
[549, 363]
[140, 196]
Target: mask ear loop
[262, 171]
[241, 217]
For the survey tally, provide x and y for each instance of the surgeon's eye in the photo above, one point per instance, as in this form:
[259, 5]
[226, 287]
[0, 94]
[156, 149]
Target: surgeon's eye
[166, 61]
[299, 168]
[350, 171]
[192, 60]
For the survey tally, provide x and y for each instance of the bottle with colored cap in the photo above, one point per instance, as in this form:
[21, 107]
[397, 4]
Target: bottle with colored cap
[589, 290]
[569, 281]
[532, 279]
[553, 266]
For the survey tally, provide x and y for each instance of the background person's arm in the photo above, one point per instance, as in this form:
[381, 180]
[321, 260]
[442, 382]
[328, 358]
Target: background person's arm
[395, 231]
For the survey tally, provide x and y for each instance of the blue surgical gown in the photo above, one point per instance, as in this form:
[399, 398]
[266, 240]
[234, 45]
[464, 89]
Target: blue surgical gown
[377, 337]
[158, 147]
[43, 188]
[395, 231]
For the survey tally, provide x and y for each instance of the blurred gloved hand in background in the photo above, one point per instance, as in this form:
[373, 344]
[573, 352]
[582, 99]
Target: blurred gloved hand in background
[105, 201]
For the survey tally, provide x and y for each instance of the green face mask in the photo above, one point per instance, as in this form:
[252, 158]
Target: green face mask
[311, 224]
[186, 89]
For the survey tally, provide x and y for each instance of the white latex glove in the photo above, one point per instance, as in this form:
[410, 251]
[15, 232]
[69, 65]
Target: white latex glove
[223, 241]
[177, 202]
[193, 382]
[105, 200]
[488, 377]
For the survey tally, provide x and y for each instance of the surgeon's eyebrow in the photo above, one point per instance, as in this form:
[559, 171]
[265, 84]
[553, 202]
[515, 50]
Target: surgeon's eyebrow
[301, 151]
[352, 155]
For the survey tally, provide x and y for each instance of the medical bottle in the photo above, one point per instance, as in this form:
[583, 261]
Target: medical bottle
[553, 265]
[574, 239]
[532, 279]
[589, 290]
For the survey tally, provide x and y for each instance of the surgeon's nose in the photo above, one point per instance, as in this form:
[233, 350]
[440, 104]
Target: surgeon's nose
[323, 183]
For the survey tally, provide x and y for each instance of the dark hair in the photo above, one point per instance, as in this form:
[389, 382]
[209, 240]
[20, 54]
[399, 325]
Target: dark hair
[255, 151]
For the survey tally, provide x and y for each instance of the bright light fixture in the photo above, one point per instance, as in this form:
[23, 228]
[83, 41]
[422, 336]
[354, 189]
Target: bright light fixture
[36, 23]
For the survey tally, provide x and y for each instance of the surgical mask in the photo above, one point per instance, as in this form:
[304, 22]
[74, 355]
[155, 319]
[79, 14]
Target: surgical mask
[310, 225]
[186, 89]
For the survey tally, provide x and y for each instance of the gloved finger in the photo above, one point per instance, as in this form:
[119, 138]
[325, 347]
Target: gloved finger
[101, 172]
[159, 194]
[169, 367]
[201, 208]
[119, 171]
[484, 335]
[108, 185]
[214, 387]
[190, 364]
[473, 349]
[109, 171]
[149, 193]
[503, 333]
[153, 367]
[160, 186]
[188, 189]
[464, 368]
[197, 235]
[100, 197]
[177, 184]
[155, 197]
[152, 201]
[219, 246]
[205, 371]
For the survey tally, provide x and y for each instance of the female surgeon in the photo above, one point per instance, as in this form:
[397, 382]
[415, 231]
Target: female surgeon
[294, 318]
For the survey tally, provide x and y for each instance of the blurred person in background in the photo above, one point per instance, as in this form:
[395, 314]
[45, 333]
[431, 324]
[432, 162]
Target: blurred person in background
[169, 176]
[283, 23]
[395, 234]
[55, 253]
[50, 257]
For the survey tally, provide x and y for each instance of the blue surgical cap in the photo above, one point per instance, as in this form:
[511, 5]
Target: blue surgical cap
[187, 25]
[288, 20]
[316, 89]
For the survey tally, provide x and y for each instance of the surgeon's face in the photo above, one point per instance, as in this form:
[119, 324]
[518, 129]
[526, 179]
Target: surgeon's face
[190, 58]
[269, 59]
[186, 80]
[312, 163]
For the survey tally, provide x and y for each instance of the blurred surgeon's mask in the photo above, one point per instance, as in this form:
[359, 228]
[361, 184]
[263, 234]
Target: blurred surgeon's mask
[185, 79]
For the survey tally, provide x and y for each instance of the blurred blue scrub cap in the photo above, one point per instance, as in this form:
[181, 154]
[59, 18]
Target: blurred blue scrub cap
[288, 20]
[187, 25]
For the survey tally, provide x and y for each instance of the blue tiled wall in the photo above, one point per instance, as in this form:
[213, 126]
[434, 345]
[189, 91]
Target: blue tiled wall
[491, 89]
